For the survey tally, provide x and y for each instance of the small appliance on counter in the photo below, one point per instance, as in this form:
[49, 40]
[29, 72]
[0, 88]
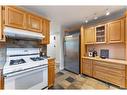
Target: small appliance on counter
[94, 53]
[104, 53]
[90, 53]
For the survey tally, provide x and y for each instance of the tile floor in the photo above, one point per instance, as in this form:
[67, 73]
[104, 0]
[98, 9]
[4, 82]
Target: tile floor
[68, 80]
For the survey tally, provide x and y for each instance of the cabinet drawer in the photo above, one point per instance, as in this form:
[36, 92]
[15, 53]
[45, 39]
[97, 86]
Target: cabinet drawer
[51, 62]
[115, 72]
[110, 65]
[119, 81]
[86, 60]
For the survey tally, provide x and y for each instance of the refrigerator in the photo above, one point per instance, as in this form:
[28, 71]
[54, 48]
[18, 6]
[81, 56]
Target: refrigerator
[71, 53]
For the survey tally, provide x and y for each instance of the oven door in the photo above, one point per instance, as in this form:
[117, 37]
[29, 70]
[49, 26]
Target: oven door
[35, 78]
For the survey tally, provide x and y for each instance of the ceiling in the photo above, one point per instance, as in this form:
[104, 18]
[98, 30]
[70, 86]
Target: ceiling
[69, 16]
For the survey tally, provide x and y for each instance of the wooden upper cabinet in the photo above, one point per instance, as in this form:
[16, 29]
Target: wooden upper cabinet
[100, 33]
[2, 36]
[15, 17]
[1, 23]
[116, 31]
[34, 23]
[90, 35]
[46, 32]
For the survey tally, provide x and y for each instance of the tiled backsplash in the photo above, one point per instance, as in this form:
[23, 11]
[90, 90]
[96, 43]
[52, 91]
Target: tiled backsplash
[2, 55]
[116, 51]
[11, 43]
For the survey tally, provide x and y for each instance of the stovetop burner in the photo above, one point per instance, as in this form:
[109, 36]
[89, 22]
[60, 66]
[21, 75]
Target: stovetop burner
[36, 58]
[16, 62]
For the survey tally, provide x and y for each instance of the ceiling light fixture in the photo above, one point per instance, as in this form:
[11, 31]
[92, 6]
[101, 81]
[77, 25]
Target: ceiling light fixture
[95, 16]
[107, 12]
[86, 20]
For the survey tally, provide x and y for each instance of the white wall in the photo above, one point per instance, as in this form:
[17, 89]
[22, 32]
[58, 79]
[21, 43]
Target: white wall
[57, 51]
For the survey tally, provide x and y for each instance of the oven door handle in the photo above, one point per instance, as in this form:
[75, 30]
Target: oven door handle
[25, 71]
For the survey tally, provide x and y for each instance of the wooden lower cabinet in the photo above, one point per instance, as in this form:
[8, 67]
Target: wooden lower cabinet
[109, 72]
[87, 67]
[1, 80]
[106, 71]
[51, 72]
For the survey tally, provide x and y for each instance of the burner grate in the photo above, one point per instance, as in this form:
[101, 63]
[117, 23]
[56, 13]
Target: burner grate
[16, 62]
[36, 58]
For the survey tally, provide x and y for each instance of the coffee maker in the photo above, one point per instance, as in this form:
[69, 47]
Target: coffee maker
[92, 53]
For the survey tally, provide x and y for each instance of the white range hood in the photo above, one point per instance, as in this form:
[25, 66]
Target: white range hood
[22, 34]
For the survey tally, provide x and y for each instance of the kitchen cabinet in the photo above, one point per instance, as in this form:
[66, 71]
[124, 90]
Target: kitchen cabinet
[112, 32]
[1, 30]
[18, 18]
[87, 67]
[46, 32]
[1, 80]
[15, 17]
[1, 25]
[116, 31]
[51, 72]
[2, 36]
[126, 76]
[100, 34]
[90, 35]
[34, 23]
[109, 72]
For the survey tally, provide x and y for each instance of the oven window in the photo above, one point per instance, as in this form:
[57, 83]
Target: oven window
[29, 80]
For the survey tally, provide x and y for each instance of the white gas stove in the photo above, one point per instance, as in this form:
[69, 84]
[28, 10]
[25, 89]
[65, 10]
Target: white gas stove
[25, 69]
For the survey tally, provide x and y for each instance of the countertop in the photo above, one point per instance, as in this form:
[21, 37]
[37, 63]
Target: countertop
[124, 62]
[51, 58]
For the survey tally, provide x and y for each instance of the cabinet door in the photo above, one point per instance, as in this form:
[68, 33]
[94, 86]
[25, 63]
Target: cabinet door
[100, 33]
[51, 72]
[1, 80]
[110, 72]
[87, 67]
[2, 36]
[51, 75]
[116, 31]
[89, 35]
[15, 17]
[46, 32]
[34, 23]
[1, 23]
